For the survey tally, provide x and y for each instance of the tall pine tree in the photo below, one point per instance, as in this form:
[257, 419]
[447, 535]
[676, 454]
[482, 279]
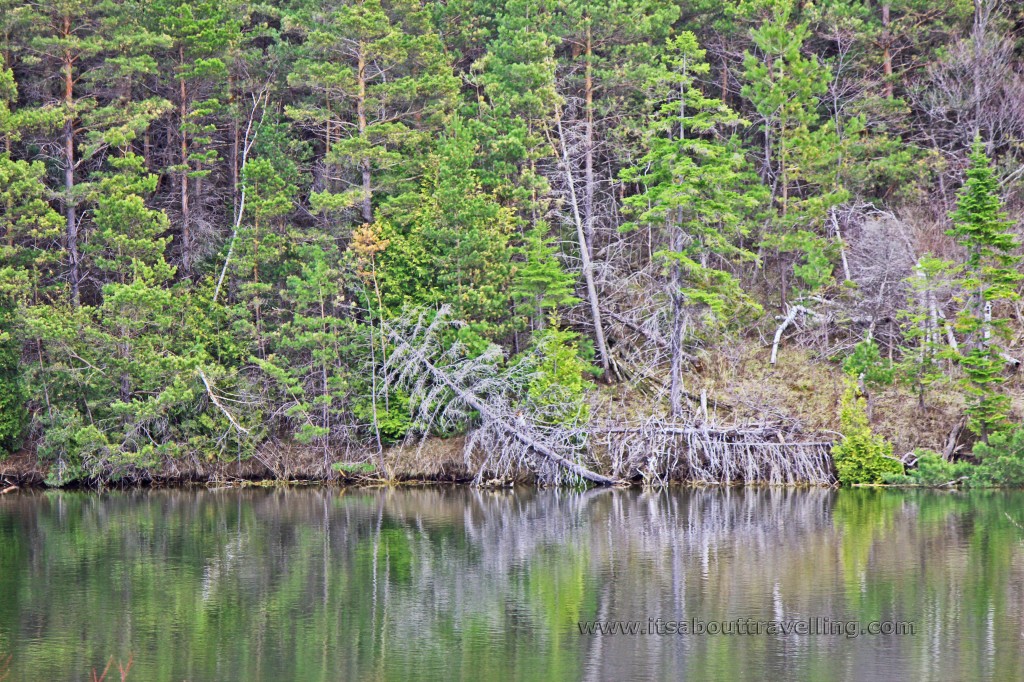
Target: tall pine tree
[990, 280]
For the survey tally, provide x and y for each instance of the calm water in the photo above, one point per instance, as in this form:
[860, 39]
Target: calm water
[459, 584]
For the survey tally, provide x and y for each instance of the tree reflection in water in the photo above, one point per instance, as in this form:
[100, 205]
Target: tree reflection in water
[456, 583]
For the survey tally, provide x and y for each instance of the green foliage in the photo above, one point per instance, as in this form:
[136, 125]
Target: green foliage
[785, 88]
[865, 364]
[379, 84]
[861, 456]
[557, 389]
[354, 468]
[990, 277]
[932, 470]
[451, 245]
[540, 281]
[699, 189]
[322, 167]
[1001, 460]
[13, 412]
[921, 366]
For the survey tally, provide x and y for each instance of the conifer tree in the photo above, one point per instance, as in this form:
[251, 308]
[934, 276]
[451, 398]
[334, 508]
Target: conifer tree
[990, 279]
[380, 83]
[699, 192]
[13, 413]
[540, 281]
[923, 329]
[200, 33]
[800, 150]
[452, 246]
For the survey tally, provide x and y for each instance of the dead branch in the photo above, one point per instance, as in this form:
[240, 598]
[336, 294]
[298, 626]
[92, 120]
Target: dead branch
[447, 386]
[213, 398]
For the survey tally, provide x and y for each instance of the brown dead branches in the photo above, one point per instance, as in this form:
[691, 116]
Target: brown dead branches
[659, 450]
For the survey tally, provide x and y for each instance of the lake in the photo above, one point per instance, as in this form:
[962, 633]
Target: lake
[464, 584]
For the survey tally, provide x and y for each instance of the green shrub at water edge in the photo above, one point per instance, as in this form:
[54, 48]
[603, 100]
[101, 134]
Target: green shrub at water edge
[1001, 460]
[13, 414]
[354, 468]
[862, 456]
[933, 470]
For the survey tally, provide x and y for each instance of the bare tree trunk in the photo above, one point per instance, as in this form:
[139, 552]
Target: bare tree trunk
[678, 332]
[186, 236]
[70, 205]
[361, 113]
[886, 51]
[587, 266]
[588, 142]
[235, 143]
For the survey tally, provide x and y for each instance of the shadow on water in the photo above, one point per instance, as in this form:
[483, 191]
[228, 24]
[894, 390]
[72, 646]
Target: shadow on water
[455, 583]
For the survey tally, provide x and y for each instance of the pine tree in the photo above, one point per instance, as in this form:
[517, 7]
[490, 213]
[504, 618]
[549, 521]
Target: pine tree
[801, 151]
[990, 278]
[871, 372]
[540, 281]
[700, 192]
[516, 104]
[380, 84]
[201, 33]
[452, 245]
[922, 364]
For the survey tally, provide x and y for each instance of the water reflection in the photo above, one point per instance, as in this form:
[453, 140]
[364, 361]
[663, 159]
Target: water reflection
[327, 584]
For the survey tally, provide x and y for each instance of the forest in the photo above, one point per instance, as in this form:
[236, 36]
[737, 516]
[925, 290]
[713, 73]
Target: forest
[630, 240]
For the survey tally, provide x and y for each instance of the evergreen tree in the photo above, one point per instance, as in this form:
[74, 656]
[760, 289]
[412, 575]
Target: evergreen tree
[452, 246]
[866, 366]
[922, 327]
[516, 103]
[380, 84]
[540, 281]
[13, 412]
[200, 33]
[990, 278]
[800, 150]
[699, 192]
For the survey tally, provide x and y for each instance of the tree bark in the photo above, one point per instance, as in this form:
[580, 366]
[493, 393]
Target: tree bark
[186, 236]
[588, 161]
[365, 162]
[587, 266]
[886, 51]
[70, 205]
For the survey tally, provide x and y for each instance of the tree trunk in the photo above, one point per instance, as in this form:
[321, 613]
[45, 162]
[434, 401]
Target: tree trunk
[361, 113]
[886, 51]
[234, 155]
[70, 205]
[186, 236]
[587, 266]
[588, 162]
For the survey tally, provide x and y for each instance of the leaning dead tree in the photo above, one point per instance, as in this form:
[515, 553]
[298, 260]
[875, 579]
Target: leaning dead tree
[449, 389]
[658, 450]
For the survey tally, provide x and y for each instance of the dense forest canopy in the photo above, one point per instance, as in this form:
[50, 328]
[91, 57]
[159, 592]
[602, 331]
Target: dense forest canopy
[334, 223]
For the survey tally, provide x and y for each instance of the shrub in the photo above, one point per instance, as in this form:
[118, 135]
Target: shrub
[13, 414]
[1001, 460]
[862, 456]
[932, 470]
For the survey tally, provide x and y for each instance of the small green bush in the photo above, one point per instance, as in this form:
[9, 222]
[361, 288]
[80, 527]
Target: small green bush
[931, 471]
[1001, 460]
[862, 456]
[364, 468]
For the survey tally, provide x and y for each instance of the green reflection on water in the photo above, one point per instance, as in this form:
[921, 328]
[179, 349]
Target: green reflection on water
[449, 584]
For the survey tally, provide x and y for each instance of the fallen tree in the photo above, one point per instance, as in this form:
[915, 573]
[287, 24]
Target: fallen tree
[450, 389]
